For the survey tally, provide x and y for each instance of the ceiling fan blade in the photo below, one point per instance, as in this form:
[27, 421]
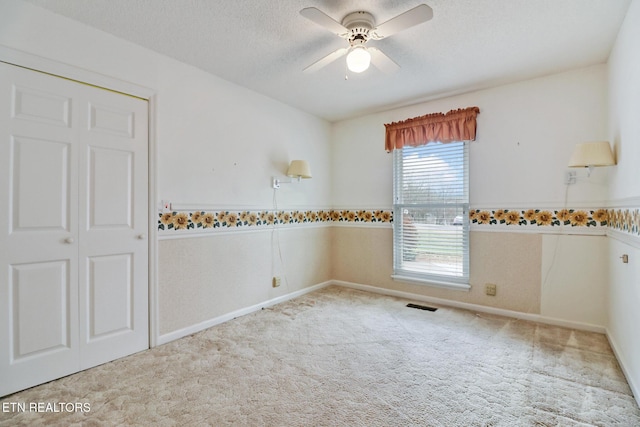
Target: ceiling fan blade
[408, 19]
[326, 60]
[382, 61]
[324, 20]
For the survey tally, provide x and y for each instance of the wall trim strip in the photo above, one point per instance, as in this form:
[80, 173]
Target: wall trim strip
[70, 72]
[181, 333]
[635, 388]
[474, 307]
[624, 203]
[215, 221]
[627, 238]
[622, 223]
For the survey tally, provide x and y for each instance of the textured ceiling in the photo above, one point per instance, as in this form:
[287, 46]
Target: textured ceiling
[264, 45]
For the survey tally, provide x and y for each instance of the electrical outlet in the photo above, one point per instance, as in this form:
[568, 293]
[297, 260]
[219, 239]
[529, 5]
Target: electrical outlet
[276, 281]
[490, 289]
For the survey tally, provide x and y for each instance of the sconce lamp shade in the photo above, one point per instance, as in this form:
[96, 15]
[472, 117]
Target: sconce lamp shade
[299, 169]
[591, 154]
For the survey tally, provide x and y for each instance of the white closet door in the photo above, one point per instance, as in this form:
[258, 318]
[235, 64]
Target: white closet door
[38, 229]
[113, 226]
[70, 188]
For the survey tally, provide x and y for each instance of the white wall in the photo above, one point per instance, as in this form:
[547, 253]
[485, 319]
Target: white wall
[218, 143]
[574, 278]
[624, 107]
[217, 146]
[526, 134]
[31, 29]
[624, 132]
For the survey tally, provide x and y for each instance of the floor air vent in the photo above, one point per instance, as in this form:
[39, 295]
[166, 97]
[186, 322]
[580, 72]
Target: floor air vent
[422, 307]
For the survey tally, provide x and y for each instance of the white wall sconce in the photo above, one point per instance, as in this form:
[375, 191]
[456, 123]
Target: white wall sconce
[592, 154]
[298, 169]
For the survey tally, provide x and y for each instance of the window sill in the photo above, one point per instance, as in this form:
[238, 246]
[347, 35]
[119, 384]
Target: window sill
[431, 282]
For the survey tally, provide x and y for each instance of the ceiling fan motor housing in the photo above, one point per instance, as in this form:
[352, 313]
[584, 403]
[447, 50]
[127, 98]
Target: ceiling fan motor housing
[359, 25]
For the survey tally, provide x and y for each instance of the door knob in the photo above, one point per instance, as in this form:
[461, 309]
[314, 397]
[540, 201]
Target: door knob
[141, 236]
[69, 240]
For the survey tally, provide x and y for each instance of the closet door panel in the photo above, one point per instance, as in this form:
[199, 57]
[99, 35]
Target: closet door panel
[111, 295]
[38, 229]
[113, 227]
[40, 298]
[110, 200]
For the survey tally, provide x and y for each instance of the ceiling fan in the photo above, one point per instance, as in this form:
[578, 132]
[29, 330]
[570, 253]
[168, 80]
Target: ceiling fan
[357, 28]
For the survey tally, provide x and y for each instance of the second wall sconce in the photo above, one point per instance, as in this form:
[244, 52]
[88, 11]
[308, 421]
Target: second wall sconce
[591, 154]
[298, 169]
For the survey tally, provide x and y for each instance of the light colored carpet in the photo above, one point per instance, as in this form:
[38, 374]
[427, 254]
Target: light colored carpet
[339, 357]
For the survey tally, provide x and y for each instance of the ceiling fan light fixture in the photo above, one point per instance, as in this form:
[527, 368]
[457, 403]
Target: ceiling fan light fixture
[357, 28]
[359, 59]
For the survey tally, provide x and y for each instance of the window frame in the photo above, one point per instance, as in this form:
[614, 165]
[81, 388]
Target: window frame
[400, 272]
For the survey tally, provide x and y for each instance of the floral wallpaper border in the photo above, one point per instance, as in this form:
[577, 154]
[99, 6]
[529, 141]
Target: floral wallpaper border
[625, 220]
[194, 220]
[540, 217]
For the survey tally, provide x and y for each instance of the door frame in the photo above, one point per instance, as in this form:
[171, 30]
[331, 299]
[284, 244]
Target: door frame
[58, 69]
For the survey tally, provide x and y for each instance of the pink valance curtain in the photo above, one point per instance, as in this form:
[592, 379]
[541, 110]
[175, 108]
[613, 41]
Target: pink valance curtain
[456, 125]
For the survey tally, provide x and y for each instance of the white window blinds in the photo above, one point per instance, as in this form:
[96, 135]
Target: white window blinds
[431, 211]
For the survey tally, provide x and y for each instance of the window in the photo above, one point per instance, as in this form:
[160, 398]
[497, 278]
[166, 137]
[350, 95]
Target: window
[430, 214]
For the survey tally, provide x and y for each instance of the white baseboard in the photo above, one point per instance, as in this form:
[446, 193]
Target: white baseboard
[181, 333]
[475, 307]
[635, 389]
